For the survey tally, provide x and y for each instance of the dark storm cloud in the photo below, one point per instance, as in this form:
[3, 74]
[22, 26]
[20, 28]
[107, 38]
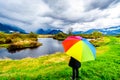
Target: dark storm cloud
[101, 4]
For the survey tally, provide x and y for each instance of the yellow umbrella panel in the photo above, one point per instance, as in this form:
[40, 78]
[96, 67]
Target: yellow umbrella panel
[81, 52]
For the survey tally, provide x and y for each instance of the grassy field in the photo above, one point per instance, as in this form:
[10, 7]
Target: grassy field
[55, 66]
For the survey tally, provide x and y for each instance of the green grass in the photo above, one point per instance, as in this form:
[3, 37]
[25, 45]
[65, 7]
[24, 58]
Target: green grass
[55, 66]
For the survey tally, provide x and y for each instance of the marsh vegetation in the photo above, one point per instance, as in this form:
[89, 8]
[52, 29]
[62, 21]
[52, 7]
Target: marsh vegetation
[18, 41]
[55, 66]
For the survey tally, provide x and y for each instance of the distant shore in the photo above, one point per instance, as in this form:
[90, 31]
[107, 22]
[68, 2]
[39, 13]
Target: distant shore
[45, 36]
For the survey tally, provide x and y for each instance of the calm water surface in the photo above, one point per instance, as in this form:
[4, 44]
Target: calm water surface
[49, 46]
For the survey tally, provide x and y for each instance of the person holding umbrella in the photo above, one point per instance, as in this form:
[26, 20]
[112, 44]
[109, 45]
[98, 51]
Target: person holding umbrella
[75, 64]
[80, 50]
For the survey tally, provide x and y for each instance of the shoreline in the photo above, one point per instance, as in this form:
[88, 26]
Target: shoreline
[47, 55]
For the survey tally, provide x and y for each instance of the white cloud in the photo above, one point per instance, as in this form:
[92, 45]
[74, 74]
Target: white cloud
[60, 14]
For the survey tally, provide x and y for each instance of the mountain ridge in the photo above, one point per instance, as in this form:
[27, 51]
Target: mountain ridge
[48, 31]
[9, 28]
[114, 30]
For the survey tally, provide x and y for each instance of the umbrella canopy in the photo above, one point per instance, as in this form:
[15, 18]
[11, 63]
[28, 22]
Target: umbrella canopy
[79, 48]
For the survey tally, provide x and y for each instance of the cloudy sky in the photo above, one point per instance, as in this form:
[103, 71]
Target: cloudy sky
[31, 15]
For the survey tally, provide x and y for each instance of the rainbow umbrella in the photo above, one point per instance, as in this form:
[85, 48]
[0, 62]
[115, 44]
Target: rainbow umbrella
[79, 48]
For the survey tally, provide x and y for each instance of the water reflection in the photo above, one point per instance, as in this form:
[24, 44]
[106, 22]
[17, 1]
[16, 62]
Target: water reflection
[17, 50]
[49, 46]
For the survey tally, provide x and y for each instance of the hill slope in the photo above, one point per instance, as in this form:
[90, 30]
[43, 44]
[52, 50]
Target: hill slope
[8, 28]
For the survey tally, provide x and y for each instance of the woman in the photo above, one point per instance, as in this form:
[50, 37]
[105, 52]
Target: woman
[75, 64]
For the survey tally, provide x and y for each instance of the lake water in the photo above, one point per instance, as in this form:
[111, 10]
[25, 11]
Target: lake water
[49, 46]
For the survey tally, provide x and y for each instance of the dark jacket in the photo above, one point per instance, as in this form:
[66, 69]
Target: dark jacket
[74, 63]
